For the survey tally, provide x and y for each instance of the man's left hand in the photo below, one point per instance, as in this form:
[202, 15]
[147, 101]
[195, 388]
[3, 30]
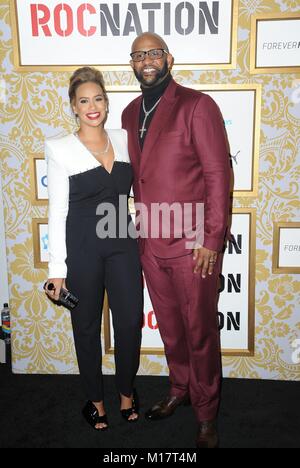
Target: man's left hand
[205, 261]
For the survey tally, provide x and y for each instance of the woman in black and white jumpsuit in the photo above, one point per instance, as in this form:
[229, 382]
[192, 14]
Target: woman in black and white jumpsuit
[87, 173]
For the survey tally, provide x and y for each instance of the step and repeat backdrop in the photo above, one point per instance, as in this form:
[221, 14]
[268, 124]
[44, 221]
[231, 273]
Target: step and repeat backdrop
[3, 269]
[3, 262]
[246, 55]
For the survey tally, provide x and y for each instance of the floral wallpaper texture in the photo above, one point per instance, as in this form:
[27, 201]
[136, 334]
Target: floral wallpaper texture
[34, 106]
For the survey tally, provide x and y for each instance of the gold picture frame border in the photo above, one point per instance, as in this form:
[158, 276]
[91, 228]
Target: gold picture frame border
[257, 89]
[35, 200]
[37, 262]
[123, 67]
[276, 269]
[250, 351]
[253, 43]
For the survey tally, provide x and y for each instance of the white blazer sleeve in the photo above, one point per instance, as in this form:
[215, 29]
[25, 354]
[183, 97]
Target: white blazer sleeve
[58, 191]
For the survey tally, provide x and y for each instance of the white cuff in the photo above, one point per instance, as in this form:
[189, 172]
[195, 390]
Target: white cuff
[57, 270]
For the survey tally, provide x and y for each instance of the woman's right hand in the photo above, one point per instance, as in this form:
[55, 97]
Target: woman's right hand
[58, 284]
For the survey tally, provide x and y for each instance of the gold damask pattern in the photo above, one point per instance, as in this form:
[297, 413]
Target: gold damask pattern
[35, 105]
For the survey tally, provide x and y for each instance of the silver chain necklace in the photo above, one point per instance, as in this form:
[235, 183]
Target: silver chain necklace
[97, 153]
[147, 113]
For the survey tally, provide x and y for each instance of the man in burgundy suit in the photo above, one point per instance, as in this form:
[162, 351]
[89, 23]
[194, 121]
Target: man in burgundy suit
[179, 154]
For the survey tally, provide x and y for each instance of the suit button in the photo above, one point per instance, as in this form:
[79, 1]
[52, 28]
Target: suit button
[142, 181]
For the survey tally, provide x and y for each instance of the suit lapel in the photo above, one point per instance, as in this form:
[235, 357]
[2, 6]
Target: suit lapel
[136, 153]
[162, 115]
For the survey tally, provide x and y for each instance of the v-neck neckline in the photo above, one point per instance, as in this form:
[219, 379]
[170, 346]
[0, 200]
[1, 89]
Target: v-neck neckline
[76, 136]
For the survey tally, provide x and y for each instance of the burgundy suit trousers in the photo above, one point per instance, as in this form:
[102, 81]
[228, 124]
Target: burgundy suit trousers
[185, 306]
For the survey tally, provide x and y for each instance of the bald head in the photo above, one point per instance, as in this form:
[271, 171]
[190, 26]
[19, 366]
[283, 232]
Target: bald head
[148, 40]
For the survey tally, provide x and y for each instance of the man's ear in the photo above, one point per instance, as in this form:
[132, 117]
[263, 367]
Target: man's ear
[131, 64]
[170, 60]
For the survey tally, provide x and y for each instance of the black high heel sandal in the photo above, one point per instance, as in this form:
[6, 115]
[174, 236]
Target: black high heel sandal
[126, 413]
[92, 417]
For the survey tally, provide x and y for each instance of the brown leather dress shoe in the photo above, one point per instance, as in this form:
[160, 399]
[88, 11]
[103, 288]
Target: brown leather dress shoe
[165, 408]
[207, 436]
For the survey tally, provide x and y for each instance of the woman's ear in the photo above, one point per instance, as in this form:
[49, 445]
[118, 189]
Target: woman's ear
[73, 107]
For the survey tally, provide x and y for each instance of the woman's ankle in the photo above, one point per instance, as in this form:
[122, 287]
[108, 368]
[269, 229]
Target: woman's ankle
[126, 402]
[100, 407]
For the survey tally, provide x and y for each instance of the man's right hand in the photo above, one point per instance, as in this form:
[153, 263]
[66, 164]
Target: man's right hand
[58, 284]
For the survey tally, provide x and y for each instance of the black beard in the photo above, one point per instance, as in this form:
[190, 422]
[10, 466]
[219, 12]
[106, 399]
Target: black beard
[160, 75]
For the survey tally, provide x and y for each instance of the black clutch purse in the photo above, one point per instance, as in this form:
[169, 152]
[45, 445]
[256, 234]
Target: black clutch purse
[66, 298]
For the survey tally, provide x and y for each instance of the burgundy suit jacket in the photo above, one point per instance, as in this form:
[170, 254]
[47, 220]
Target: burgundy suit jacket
[185, 159]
